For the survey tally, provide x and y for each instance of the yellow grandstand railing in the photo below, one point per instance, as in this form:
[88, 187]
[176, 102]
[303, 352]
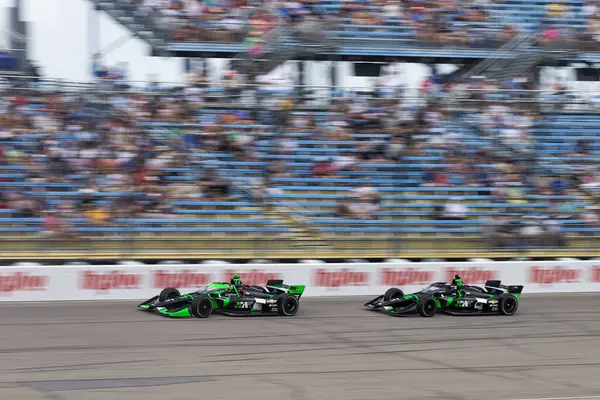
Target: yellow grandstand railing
[281, 247]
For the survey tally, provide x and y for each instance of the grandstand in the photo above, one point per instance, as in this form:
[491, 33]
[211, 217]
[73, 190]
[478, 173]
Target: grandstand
[103, 172]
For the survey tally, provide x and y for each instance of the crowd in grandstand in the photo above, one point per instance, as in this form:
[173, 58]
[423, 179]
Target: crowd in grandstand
[439, 22]
[121, 151]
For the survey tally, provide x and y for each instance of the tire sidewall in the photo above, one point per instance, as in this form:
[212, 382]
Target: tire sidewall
[196, 304]
[392, 293]
[282, 302]
[503, 300]
[168, 293]
[422, 310]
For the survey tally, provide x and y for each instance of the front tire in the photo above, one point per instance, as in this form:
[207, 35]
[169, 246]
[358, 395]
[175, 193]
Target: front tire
[288, 305]
[168, 293]
[393, 293]
[201, 307]
[507, 304]
[427, 307]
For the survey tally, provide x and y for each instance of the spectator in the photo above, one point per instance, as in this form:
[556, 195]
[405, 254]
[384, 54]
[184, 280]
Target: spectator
[455, 210]
[324, 168]
[363, 209]
[365, 193]
[532, 233]
[556, 10]
[504, 234]
[393, 9]
[591, 217]
[554, 237]
[343, 209]
[97, 215]
[55, 227]
[435, 178]
[491, 231]
[590, 179]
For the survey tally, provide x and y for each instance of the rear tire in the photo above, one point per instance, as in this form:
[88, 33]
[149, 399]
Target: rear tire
[288, 305]
[507, 304]
[427, 307]
[201, 307]
[168, 293]
[393, 293]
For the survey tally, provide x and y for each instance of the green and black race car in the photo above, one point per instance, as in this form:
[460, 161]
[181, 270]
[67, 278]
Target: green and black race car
[451, 298]
[234, 299]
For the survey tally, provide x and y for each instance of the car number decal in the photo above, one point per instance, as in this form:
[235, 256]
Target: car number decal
[243, 304]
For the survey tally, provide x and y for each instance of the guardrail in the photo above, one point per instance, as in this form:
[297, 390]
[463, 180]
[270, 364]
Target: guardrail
[252, 96]
[281, 242]
[129, 282]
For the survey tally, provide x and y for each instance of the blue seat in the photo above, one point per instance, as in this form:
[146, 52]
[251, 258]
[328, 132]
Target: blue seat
[213, 203]
[339, 221]
[218, 212]
[399, 230]
[12, 176]
[80, 194]
[20, 229]
[44, 185]
[193, 221]
[223, 229]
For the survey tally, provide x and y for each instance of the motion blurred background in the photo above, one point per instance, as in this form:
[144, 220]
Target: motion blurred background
[330, 129]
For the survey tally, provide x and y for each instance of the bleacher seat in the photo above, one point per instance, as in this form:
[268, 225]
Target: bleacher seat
[407, 209]
[387, 32]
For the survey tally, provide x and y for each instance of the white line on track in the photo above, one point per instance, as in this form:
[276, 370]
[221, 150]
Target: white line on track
[561, 398]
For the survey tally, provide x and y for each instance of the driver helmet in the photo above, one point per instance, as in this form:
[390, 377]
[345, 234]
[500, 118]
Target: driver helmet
[235, 280]
[457, 281]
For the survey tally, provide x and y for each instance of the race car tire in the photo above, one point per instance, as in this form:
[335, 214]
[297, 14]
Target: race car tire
[201, 307]
[393, 293]
[507, 304]
[426, 307]
[287, 305]
[168, 293]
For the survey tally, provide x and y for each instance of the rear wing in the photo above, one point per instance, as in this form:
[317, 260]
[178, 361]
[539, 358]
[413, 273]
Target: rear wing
[497, 287]
[278, 284]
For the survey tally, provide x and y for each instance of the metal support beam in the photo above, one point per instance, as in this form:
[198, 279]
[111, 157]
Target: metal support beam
[94, 42]
[93, 38]
[301, 78]
[333, 74]
[115, 44]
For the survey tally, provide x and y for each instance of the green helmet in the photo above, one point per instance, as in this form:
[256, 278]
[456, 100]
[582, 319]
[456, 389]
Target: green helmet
[457, 281]
[235, 280]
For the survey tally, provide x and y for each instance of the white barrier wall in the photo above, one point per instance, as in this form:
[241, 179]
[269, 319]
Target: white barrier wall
[114, 282]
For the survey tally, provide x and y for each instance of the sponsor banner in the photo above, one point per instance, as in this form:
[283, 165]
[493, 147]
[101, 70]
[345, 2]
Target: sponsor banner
[114, 282]
[26, 284]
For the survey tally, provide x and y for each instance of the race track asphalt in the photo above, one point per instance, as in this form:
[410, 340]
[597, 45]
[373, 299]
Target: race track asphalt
[332, 350]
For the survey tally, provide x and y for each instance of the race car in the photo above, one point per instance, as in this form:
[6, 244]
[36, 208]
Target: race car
[233, 299]
[451, 298]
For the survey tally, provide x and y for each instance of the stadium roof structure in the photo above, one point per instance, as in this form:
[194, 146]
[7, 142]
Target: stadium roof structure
[366, 52]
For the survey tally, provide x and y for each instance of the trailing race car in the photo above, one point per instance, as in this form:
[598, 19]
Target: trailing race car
[234, 298]
[451, 298]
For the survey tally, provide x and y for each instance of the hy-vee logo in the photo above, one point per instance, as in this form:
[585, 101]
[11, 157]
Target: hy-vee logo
[243, 304]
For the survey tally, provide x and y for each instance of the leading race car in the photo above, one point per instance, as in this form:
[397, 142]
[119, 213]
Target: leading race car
[451, 298]
[234, 298]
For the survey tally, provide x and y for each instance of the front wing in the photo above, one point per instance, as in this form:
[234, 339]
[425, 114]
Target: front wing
[177, 307]
[393, 307]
